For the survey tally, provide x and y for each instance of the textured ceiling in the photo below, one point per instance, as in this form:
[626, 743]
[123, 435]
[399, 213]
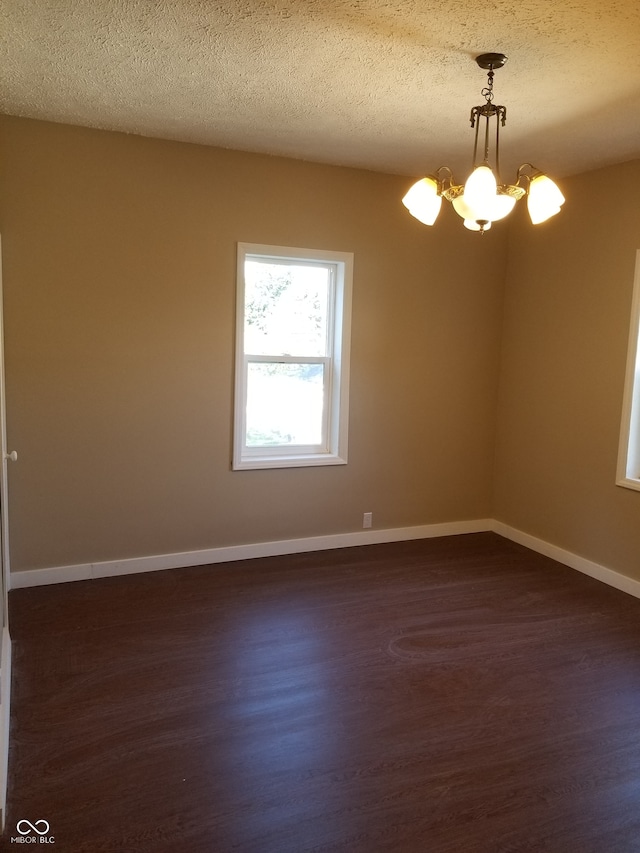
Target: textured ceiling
[380, 84]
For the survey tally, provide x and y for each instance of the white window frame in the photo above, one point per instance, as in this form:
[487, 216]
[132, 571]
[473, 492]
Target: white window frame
[628, 474]
[333, 449]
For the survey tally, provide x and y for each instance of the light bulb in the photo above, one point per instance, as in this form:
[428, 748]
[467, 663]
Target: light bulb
[422, 201]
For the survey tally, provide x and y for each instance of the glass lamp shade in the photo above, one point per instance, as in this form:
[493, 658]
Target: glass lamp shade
[462, 208]
[503, 205]
[544, 199]
[480, 193]
[423, 201]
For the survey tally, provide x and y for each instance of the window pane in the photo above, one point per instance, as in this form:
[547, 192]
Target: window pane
[628, 473]
[633, 457]
[286, 308]
[292, 357]
[284, 404]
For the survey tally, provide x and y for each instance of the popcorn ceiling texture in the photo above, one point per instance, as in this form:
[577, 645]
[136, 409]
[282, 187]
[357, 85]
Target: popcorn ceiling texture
[370, 83]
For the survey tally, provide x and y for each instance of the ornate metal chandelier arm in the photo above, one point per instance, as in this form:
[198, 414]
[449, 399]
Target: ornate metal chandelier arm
[528, 171]
[512, 190]
[444, 179]
[501, 118]
[476, 112]
[485, 159]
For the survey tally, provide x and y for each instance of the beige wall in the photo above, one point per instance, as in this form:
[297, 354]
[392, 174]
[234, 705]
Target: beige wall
[567, 312]
[119, 279]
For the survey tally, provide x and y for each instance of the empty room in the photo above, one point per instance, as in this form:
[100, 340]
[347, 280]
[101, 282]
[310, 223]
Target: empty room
[320, 426]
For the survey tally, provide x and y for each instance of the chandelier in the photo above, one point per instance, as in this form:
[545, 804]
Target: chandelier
[484, 199]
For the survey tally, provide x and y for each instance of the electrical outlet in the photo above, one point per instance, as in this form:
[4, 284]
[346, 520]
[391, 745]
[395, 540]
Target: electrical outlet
[367, 519]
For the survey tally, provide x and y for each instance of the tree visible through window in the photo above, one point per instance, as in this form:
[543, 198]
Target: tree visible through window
[292, 357]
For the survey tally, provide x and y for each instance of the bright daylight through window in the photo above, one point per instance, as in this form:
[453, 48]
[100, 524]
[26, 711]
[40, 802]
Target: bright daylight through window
[629, 453]
[292, 357]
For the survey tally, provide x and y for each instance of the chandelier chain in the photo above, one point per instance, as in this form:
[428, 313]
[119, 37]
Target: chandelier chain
[487, 92]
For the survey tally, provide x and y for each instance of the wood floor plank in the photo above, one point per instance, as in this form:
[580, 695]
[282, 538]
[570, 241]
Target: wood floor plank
[445, 695]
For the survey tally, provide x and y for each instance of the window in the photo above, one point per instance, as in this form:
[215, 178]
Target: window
[629, 453]
[292, 357]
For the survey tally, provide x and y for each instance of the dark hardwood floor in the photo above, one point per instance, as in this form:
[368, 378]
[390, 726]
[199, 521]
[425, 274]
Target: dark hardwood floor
[455, 695]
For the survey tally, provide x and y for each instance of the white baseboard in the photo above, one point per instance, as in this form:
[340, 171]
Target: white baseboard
[5, 702]
[110, 568]
[568, 558]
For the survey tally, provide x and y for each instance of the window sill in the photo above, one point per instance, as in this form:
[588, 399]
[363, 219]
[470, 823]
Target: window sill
[303, 460]
[629, 483]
